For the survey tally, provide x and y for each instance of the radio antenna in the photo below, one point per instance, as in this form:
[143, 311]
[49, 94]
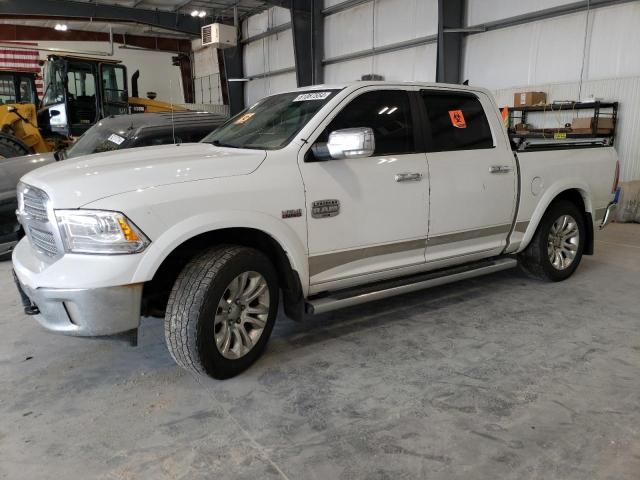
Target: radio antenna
[173, 124]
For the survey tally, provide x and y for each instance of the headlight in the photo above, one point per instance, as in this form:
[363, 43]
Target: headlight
[99, 231]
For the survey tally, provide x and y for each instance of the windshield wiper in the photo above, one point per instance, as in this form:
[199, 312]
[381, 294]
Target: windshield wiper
[218, 143]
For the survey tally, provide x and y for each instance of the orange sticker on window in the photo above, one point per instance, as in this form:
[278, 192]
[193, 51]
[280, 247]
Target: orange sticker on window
[457, 119]
[244, 118]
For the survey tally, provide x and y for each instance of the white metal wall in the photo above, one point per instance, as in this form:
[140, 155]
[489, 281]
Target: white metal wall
[269, 54]
[485, 11]
[376, 24]
[552, 50]
[206, 74]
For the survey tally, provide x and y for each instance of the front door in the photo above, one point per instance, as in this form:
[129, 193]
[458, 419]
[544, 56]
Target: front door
[82, 100]
[368, 215]
[473, 177]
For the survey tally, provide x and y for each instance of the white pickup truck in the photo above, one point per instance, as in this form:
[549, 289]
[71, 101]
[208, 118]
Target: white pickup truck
[319, 198]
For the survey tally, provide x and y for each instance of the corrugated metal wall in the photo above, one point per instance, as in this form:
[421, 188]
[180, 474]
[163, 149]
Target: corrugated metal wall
[273, 53]
[377, 25]
[357, 31]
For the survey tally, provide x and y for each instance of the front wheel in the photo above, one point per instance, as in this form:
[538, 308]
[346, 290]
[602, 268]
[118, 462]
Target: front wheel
[556, 248]
[221, 311]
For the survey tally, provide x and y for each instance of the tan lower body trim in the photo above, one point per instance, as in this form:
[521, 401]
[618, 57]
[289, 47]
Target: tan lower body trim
[468, 235]
[521, 227]
[327, 261]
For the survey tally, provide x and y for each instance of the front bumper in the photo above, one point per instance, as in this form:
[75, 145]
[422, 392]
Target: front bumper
[88, 295]
[87, 312]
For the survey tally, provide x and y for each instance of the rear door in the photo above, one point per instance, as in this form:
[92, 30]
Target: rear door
[473, 177]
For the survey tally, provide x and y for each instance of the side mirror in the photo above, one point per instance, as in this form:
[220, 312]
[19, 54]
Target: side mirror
[351, 143]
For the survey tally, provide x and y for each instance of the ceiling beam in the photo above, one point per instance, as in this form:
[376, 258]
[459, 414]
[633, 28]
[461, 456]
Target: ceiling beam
[69, 9]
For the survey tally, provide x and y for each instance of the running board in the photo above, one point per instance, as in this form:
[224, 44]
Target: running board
[391, 288]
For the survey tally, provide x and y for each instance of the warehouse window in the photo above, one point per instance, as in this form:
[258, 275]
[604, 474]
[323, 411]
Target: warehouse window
[387, 113]
[457, 122]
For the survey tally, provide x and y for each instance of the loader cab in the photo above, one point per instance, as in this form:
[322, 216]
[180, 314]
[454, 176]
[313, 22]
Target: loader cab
[80, 91]
[17, 87]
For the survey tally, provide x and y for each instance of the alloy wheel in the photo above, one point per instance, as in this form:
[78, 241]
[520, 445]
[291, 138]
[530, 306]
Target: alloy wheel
[241, 315]
[563, 242]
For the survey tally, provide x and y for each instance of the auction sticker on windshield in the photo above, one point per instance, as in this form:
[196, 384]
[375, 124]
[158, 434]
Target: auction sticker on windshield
[117, 139]
[244, 118]
[303, 97]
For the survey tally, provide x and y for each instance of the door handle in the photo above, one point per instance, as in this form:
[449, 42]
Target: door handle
[500, 169]
[408, 177]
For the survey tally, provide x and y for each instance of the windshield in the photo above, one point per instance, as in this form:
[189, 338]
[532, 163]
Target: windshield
[272, 122]
[95, 140]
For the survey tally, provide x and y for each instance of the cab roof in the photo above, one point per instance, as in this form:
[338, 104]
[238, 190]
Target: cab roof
[383, 83]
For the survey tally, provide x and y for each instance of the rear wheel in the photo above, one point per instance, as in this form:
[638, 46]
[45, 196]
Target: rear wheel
[221, 311]
[11, 148]
[557, 246]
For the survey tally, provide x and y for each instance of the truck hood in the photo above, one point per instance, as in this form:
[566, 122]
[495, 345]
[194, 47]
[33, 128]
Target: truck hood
[77, 181]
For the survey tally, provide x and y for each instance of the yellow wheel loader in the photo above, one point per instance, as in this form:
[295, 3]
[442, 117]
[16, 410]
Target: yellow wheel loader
[78, 92]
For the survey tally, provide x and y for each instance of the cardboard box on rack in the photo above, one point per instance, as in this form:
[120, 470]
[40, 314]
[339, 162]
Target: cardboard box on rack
[528, 99]
[585, 125]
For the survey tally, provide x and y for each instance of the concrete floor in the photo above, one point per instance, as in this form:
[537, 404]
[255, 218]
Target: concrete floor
[501, 377]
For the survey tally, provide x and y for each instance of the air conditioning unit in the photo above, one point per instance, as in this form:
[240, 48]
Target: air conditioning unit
[218, 35]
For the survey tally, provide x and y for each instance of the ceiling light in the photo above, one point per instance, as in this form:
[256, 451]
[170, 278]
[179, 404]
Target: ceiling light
[195, 13]
[392, 110]
[383, 110]
[61, 27]
[202, 14]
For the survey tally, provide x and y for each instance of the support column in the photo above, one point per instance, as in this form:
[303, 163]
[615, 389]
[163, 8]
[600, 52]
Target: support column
[449, 63]
[233, 69]
[308, 28]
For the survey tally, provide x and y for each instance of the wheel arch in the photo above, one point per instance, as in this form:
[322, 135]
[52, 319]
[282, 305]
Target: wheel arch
[579, 194]
[160, 274]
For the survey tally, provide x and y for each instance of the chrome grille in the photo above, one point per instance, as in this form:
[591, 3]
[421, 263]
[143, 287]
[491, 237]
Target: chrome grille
[34, 202]
[34, 216]
[43, 241]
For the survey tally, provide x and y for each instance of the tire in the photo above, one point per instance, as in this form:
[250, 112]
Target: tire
[10, 148]
[553, 240]
[203, 316]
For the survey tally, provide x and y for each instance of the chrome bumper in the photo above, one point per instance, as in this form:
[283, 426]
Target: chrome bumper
[87, 312]
[608, 214]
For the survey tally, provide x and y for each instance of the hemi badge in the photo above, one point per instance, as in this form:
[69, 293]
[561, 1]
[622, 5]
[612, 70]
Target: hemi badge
[297, 212]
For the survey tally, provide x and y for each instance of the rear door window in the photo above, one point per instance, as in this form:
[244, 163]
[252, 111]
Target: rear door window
[456, 121]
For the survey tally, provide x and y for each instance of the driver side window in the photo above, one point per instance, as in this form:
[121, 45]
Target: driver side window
[387, 113]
